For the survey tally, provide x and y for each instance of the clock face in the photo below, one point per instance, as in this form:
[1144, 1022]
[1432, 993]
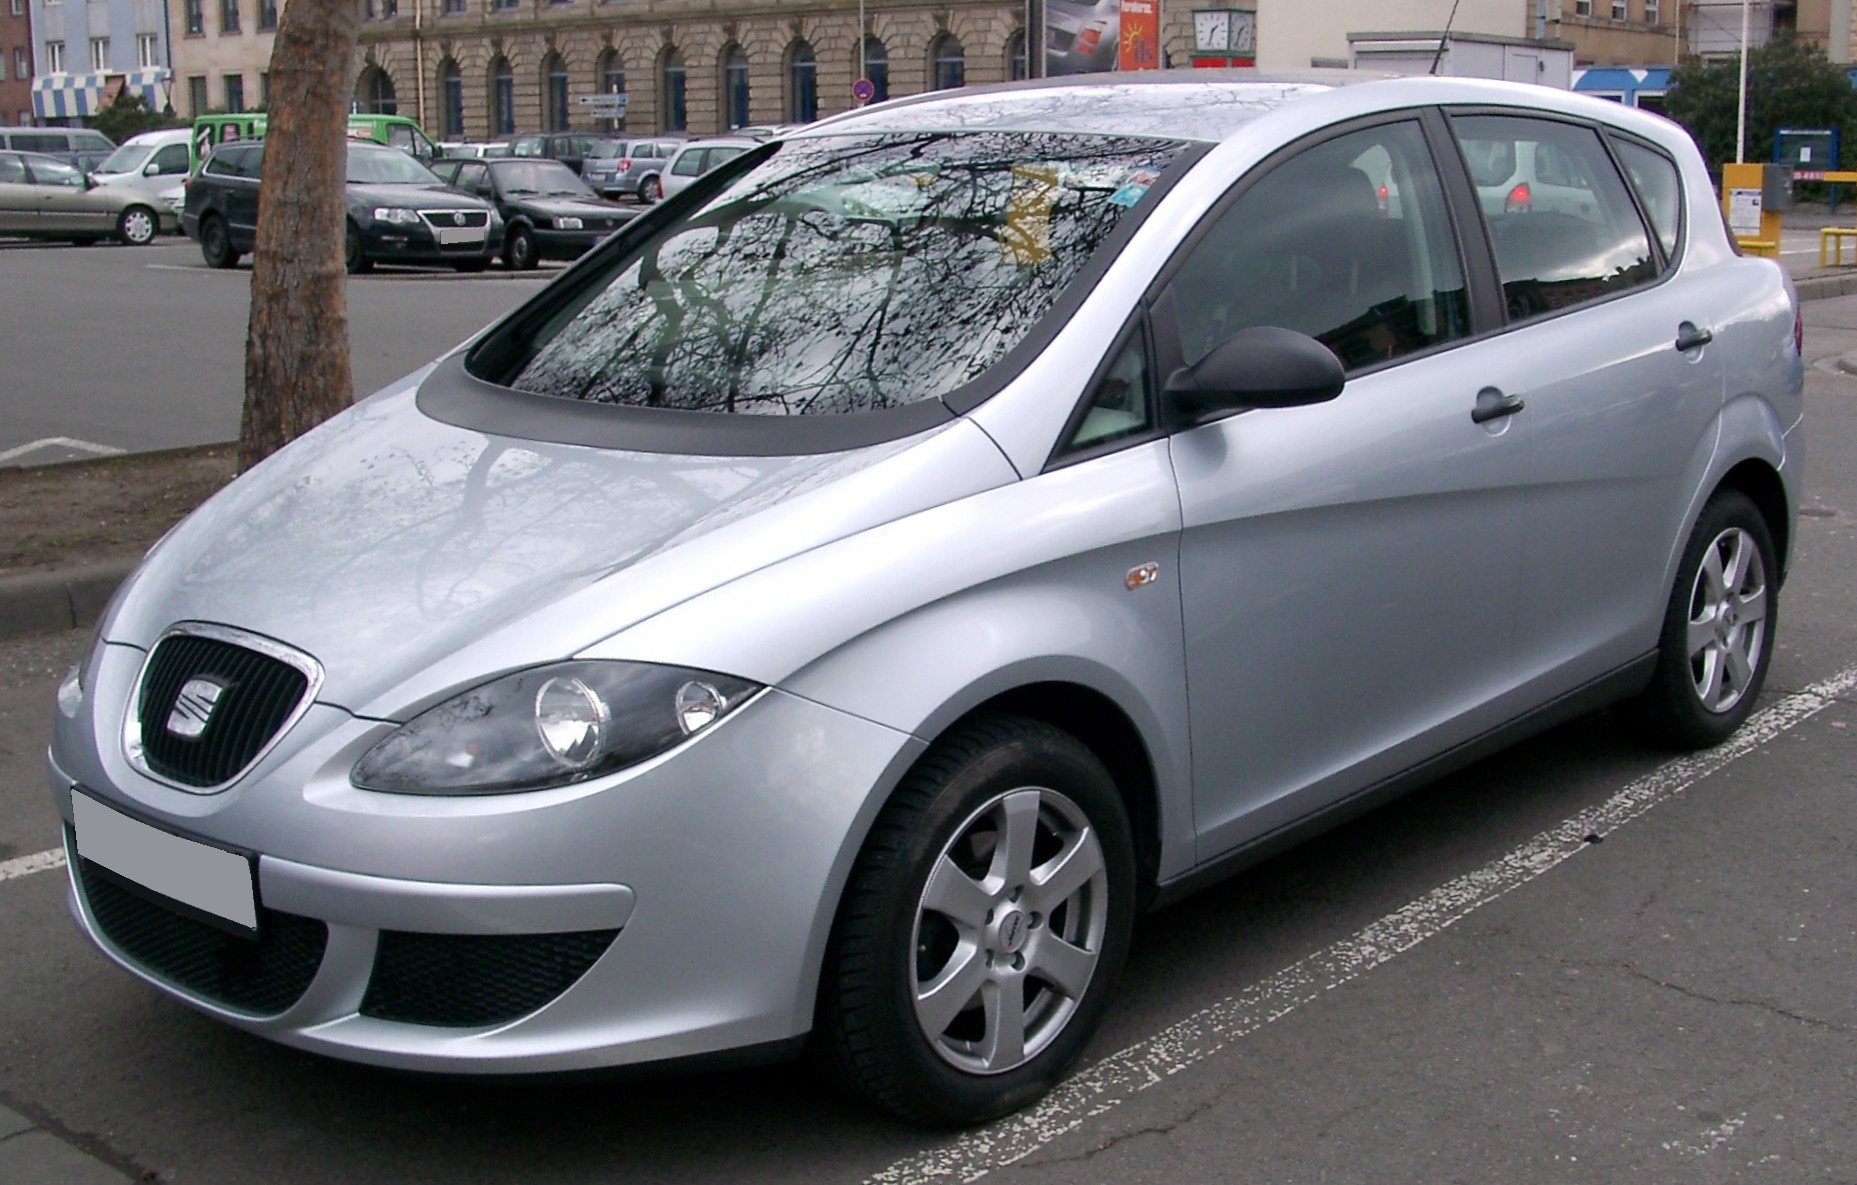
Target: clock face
[1212, 30]
[1244, 33]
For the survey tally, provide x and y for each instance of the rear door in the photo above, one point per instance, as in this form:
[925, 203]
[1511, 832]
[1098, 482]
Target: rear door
[66, 203]
[1609, 348]
[19, 200]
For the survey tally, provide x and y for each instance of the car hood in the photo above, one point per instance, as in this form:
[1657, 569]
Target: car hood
[422, 197]
[411, 558]
[556, 207]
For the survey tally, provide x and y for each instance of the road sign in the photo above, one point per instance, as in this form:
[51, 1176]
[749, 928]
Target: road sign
[602, 102]
[863, 90]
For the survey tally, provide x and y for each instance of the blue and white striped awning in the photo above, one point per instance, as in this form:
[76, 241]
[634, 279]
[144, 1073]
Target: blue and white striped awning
[77, 96]
[67, 96]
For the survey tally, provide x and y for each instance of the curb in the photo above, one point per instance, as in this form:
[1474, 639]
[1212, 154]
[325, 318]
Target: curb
[73, 598]
[59, 598]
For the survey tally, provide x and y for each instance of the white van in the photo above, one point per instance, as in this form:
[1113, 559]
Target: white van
[152, 162]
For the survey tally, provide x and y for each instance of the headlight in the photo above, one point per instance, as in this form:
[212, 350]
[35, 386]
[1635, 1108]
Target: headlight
[395, 214]
[551, 726]
[569, 223]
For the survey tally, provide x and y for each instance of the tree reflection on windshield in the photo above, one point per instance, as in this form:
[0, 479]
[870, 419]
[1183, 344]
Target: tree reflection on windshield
[848, 274]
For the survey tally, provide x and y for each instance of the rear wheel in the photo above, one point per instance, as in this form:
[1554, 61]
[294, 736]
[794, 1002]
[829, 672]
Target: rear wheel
[137, 225]
[1718, 627]
[650, 190]
[216, 243]
[983, 928]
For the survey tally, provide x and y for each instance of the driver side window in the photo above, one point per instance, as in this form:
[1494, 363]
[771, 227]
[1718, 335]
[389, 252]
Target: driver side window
[1347, 241]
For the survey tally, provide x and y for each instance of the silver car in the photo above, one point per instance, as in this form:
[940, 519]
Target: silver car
[829, 614]
[44, 198]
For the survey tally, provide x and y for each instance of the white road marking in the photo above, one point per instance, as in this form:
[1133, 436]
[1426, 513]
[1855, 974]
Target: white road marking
[1118, 1077]
[70, 442]
[27, 865]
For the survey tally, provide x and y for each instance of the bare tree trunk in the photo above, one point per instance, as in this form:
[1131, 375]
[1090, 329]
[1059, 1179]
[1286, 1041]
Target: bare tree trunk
[296, 343]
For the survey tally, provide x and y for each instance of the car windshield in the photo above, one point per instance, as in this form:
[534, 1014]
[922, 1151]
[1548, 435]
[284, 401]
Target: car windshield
[373, 164]
[518, 178]
[126, 159]
[845, 274]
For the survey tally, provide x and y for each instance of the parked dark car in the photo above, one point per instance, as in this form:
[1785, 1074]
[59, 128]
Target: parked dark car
[398, 211]
[570, 148]
[630, 168]
[548, 212]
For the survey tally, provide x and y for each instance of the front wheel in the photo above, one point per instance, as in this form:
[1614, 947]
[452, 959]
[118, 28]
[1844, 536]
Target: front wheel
[519, 252]
[354, 256]
[983, 927]
[1717, 636]
[137, 225]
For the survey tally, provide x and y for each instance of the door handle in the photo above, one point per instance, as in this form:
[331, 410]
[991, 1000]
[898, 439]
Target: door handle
[1691, 337]
[1493, 405]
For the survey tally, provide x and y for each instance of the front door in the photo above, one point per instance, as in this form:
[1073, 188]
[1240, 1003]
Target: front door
[1348, 570]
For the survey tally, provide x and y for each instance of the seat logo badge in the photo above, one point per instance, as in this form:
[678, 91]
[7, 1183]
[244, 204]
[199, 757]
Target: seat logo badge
[193, 708]
[1142, 577]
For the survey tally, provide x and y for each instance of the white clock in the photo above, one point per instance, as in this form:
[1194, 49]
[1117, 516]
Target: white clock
[1212, 30]
[1244, 33]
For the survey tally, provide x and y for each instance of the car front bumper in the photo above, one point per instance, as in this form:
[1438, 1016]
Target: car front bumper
[399, 242]
[697, 890]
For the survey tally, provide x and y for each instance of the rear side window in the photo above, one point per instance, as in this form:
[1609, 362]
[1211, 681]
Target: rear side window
[31, 142]
[1659, 187]
[11, 170]
[1565, 231]
[689, 164]
[1347, 241]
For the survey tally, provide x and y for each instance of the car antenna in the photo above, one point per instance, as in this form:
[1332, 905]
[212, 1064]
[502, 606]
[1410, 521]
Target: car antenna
[1444, 37]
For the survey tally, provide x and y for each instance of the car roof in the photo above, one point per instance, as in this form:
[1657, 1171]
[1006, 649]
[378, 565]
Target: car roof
[1204, 105]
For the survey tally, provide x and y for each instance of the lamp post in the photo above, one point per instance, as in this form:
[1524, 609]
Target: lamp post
[1740, 119]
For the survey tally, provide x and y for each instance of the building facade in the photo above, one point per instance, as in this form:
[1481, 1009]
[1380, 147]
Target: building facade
[85, 51]
[15, 62]
[222, 54]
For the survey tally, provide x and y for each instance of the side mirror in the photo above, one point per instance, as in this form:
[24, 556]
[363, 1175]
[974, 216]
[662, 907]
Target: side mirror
[151, 169]
[1264, 366]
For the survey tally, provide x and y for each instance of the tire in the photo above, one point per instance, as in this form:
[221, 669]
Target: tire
[519, 252]
[216, 243]
[1717, 638]
[137, 226]
[354, 258]
[940, 998]
[650, 190]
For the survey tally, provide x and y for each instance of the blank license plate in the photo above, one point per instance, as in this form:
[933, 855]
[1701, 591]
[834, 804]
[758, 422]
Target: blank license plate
[460, 234]
[206, 880]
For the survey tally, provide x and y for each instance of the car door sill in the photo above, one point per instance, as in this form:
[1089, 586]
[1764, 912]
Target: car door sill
[1618, 684]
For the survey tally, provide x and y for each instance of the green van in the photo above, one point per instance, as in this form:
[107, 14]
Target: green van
[394, 130]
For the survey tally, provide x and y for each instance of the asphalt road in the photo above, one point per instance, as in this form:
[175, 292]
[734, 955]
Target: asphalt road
[1579, 961]
[92, 333]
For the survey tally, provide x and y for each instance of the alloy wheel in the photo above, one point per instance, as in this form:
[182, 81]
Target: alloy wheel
[1727, 619]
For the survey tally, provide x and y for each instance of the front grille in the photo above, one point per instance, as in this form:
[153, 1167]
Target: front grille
[257, 695]
[263, 977]
[467, 980]
[441, 219]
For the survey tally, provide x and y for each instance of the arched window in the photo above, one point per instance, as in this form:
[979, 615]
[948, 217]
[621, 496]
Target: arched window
[612, 82]
[451, 90]
[802, 83]
[947, 63]
[734, 88]
[671, 110]
[1016, 64]
[375, 92]
[877, 68]
[554, 94]
[502, 98]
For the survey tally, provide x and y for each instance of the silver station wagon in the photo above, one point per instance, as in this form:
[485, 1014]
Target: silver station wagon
[828, 615]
